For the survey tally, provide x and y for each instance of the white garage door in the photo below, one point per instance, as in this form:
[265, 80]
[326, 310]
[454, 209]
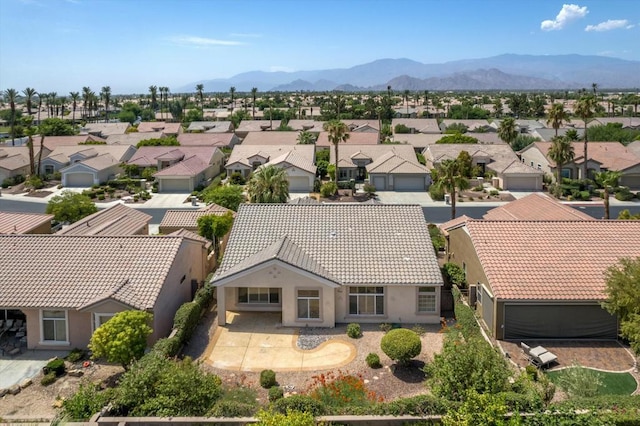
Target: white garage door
[379, 183]
[521, 183]
[298, 184]
[79, 179]
[408, 183]
[175, 185]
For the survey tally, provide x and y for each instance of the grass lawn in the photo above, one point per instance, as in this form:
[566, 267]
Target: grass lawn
[612, 383]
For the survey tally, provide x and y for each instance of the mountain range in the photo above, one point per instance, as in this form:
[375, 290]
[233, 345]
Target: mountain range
[503, 72]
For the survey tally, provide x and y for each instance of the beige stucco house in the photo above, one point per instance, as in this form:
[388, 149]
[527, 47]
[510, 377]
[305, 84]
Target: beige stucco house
[302, 261]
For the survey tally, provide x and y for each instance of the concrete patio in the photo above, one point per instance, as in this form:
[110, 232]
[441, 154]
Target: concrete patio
[14, 370]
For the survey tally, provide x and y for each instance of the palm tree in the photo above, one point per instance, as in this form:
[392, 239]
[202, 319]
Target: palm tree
[608, 180]
[268, 184]
[53, 103]
[86, 97]
[200, 93]
[232, 90]
[406, 99]
[11, 95]
[585, 110]
[63, 102]
[594, 86]
[75, 96]
[449, 179]
[41, 96]
[154, 97]
[508, 130]
[254, 91]
[561, 152]
[337, 132]
[30, 131]
[105, 94]
[557, 116]
[306, 138]
[29, 93]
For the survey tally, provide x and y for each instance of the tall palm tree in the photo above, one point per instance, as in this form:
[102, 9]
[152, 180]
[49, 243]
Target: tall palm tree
[10, 96]
[337, 132]
[254, 92]
[594, 86]
[268, 184]
[508, 130]
[406, 99]
[75, 96]
[29, 93]
[53, 103]
[608, 180]
[41, 97]
[200, 93]
[86, 96]
[557, 116]
[449, 179]
[585, 109]
[105, 95]
[232, 90]
[30, 131]
[561, 152]
[63, 102]
[154, 97]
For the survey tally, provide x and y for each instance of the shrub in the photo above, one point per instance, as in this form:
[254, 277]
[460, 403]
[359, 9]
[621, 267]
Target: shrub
[436, 193]
[291, 418]
[167, 346]
[579, 382]
[369, 188]
[373, 360]
[34, 182]
[301, 403]
[494, 192]
[419, 405]
[454, 275]
[354, 331]
[204, 296]
[341, 390]
[230, 408]
[76, 355]
[186, 320]
[623, 194]
[48, 378]
[317, 184]
[56, 366]
[328, 189]
[236, 178]
[385, 327]
[123, 338]
[437, 239]
[401, 345]
[267, 379]
[87, 401]
[465, 319]
[275, 393]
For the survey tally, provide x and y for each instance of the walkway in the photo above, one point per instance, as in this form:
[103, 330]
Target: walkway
[255, 341]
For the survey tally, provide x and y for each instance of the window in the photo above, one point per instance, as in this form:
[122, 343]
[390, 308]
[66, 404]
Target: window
[366, 301]
[344, 174]
[479, 293]
[100, 319]
[308, 304]
[54, 326]
[48, 169]
[532, 164]
[258, 295]
[539, 167]
[426, 299]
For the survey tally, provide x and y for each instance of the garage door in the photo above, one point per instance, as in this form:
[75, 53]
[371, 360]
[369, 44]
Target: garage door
[79, 179]
[408, 183]
[379, 183]
[559, 322]
[298, 184]
[521, 183]
[176, 185]
[632, 181]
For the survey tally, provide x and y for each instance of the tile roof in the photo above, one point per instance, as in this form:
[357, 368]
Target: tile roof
[294, 159]
[242, 152]
[116, 220]
[417, 140]
[392, 242]
[85, 269]
[13, 160]
[308, 125]
[21, 223]
[106, 129]
[100, 162]
[421, 125]
[210, 126]
[349, 153]
[63, 153]
[183, 218]
[159, 126]
[551, 260]
[206, 139]
[503, 159]
[394, 163]
[611, 155]
[271, 138]
[634, 147]
[258, 125]
[53, 142]
[133, 138]
[148, 156]
[356, 124]
[355, 138]
[536, 206]
[191, 166]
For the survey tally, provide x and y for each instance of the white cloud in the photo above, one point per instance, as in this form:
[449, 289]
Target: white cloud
[611, 24]
[203, 41]
[246, 35]
[568, 13]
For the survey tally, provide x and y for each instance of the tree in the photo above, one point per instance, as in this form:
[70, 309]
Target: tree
[168, 141]
[27, 122]
[215, 227]
[449, 178]
[268, 184]
[608, 180]
[585, 110]
[626, 215]
[70, 206]
[56, 127]
[557, 117]
[306, 138]
[75, 96]
[11, 95]
[123, 338]
[337, 132]
[523, 141]
[29, 93]
[401, 345]
[561, 152]
[200, 94]
[86, 99]
[623, 298]
[254, 91]
[105, 95]
[153, 92]
[229, 196]
[232, 91]
[508, 131]
[457, 138]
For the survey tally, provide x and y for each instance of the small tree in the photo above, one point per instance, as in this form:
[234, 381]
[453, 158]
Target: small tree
[123, 338]
[623, 298]
[215, 227]
[401, 345]
[229, 196]
[70, 207]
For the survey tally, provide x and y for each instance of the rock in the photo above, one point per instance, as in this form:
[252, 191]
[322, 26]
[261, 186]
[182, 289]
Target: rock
[366, 381]
[26, 383]
[58, 403]
[75, 373]
[14, 390]
[3, 392]
[376, 378]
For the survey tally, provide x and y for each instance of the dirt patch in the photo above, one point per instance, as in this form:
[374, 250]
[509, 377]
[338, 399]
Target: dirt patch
[480, 196]
[347, 196]
[38, 194]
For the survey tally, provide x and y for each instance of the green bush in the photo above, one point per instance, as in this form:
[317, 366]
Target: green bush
[267, 379]
[48, 378]
[373, 360]
[204, 296]
[328, 189]
[454, 275]
[168, 346]
[401, 345]
[354, 331]
[34, 182]
[385, 327]
[236, 178]
[369, 188]
[465, 318]
[437, 239]
[317, 184]
[579, 382]
[275, 393]
[56, 366]
[436, 193]
[87, 401]
[76, 355]
[300, 403]
[230, 408]
[419, 405]
[186, 320]
[494, 192]
[623, 194]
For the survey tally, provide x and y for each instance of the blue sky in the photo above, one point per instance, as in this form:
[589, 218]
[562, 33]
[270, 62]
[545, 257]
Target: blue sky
[63, 45]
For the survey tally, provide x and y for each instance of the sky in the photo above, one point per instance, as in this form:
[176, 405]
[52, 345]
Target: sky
[63, 45]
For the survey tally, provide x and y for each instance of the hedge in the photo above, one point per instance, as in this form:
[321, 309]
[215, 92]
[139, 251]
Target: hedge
[465, 318]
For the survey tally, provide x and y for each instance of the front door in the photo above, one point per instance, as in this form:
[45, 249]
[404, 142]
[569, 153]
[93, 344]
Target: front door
[361, 174]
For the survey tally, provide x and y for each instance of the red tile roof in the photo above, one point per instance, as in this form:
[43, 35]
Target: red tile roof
[536, 206]
[22, 223]
[551, 260]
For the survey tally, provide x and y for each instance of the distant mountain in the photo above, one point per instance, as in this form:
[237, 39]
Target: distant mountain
[507, 72]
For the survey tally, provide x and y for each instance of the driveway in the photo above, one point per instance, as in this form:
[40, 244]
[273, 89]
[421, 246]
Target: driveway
[391, 197]
[254, 341]
[27, 365]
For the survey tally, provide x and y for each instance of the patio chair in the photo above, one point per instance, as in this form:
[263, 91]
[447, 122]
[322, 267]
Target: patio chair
[9, 325]
[18, 325]
[544, 359]
[525, 350]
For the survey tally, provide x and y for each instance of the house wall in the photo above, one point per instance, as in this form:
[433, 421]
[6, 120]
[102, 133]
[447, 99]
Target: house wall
[294, 172]
[47, 162]
[533, 155]
[4, 173]
[44, 228]
[78, 325]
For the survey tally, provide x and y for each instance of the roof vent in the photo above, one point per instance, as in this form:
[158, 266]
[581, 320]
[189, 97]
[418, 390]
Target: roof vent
[332, 234]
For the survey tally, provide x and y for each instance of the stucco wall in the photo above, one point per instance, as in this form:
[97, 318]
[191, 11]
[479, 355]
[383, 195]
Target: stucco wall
[78, 325]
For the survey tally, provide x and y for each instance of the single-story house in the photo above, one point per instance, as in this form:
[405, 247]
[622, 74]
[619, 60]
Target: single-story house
[300, 260]
[210, 127]
[113, 221]
[169, 129]
[388, 167]
[542, 279]
[416, 125]
[362, 126]
[602, 156]
[220, 140]
[180, 168]
[133, 138]
[271, 138]
[297, 160]
[248, 126]
[523, 126]
[626, 122]
[103, 130]
[92, 278]
[311, 126]
[52, 142]
[472, 125]
[66, 155]
[536, 206]
[355, 138]
[163, 115]
[91, 171]
[25, 223]
[510, 173]
[14, 161]
[547, 134]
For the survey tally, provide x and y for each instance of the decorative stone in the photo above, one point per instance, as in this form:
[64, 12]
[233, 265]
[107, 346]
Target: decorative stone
[366, 381]
[75, 373]
[3, 392]
[14, 390]
[26, 383]
[376, 378]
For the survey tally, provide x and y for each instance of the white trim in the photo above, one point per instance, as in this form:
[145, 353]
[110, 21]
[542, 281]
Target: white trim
[54, 342]
[222, 282]
[96, 316]
[308, 298]
[436, 297]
